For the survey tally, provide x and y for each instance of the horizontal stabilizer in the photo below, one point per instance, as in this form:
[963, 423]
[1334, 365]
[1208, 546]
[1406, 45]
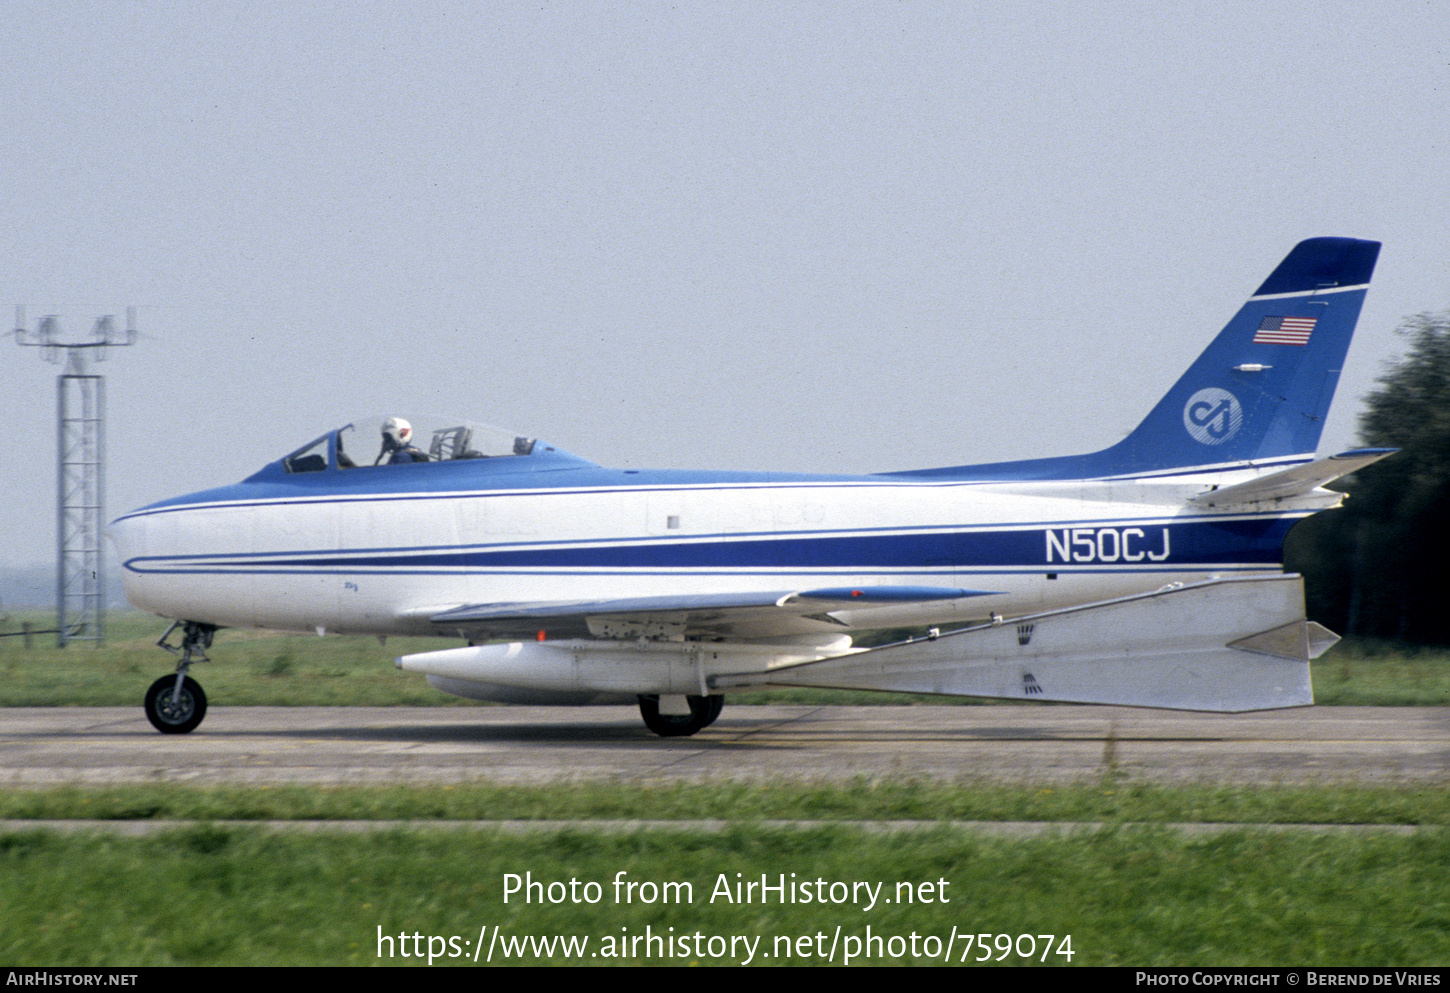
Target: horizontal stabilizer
[1293, 482]
[1222, 645]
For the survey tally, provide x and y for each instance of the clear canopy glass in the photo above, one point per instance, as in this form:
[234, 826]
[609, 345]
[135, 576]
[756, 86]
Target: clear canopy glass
[364, 444]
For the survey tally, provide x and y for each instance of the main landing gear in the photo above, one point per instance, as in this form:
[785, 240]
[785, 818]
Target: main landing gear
[703, 711]
[175, 704]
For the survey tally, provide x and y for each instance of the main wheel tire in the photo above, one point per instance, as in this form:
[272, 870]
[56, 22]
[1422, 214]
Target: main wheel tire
[717, 704]
[175, 716]
[703, 711]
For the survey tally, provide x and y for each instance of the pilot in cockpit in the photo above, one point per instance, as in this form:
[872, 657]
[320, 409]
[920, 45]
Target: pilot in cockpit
[398, 443]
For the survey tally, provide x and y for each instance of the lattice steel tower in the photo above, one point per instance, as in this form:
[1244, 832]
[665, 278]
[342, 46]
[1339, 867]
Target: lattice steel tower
[80, 413]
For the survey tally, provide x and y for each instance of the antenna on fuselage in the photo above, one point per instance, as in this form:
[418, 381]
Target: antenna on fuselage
[80, 418]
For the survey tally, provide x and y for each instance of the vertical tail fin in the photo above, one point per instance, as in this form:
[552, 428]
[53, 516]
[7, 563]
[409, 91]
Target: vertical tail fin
[1259, 392]
[1262, 388]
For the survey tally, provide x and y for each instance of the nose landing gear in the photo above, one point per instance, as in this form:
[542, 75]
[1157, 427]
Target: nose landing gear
[176, 704]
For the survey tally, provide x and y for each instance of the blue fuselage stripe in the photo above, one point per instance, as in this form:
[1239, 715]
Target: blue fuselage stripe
[1208, 543]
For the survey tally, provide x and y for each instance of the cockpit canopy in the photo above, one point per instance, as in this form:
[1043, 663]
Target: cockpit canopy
[363, 444]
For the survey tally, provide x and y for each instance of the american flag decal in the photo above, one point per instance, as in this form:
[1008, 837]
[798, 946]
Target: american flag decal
[1284, 331]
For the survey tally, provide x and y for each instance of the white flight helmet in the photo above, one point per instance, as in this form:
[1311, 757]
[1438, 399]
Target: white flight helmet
[398, 431]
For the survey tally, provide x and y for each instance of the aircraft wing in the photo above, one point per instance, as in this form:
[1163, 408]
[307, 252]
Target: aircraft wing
[758, 614]
[1232, 644]
[1298, 481]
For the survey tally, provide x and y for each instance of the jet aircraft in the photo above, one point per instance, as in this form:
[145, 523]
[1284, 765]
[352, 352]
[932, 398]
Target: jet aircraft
[1148, 573]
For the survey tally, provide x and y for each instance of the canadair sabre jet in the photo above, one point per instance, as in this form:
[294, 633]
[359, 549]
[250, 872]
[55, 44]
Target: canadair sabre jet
[1146, 574]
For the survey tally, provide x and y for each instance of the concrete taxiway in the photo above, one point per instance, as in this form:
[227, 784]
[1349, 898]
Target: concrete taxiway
[363, 745]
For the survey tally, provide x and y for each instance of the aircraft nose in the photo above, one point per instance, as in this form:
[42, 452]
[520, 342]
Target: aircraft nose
[129, 538]
[125, 534]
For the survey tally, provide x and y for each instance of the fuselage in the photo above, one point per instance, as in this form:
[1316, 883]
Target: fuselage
[381, 549]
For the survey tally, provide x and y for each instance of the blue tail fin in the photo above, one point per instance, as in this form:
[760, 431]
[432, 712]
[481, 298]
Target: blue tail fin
[1259, 392]
[1262, 389]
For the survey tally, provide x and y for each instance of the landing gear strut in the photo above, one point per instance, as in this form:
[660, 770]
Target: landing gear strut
[176, 704]
[703, 711]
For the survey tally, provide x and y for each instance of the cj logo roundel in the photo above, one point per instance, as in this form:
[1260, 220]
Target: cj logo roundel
[1213, 416]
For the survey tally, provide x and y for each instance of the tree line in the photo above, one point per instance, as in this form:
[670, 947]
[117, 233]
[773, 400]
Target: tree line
[1376, 567]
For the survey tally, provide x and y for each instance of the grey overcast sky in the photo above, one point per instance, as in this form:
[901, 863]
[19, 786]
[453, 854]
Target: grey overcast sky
[827, 237]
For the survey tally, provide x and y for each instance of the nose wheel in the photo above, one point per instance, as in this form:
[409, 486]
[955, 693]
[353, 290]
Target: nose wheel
[175, 704]
[173, 708]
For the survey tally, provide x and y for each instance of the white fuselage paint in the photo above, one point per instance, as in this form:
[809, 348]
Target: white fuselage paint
[384, 563]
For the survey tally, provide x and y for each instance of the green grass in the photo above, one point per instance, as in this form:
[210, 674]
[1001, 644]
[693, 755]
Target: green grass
[1385, 674]
[862, 799]
[222, 896]
[268, 668]
[210, 894]
[246, 668]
